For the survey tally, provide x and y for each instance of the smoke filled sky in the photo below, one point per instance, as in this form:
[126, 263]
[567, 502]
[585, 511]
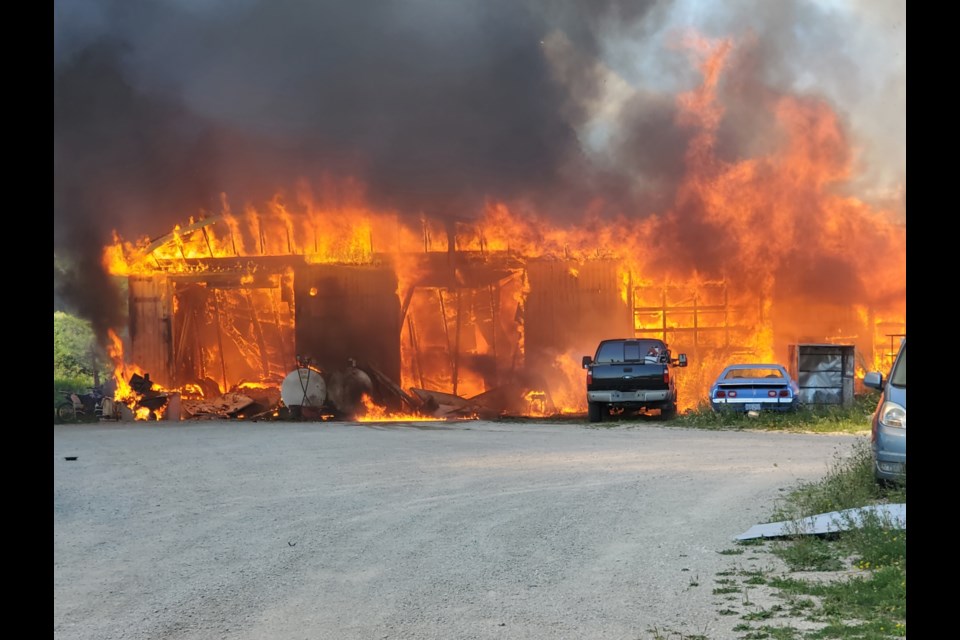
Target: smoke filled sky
[161, 106]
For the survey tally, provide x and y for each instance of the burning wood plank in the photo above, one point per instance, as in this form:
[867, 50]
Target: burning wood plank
[444, 405]
[412, 403]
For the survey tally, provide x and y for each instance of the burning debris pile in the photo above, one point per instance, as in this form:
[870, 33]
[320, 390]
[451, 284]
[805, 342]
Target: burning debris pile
[358, 392]
[243, 401]
[147, 400]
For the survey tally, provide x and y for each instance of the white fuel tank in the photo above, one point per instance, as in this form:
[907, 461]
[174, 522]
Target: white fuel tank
[303, 387]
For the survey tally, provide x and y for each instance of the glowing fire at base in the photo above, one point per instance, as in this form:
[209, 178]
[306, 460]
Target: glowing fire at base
[122, 373]
[375, 413]
[537, 401]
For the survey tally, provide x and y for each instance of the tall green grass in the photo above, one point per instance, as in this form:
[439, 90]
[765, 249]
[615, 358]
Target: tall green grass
[871, 604]
[848, 483]
[854, 418]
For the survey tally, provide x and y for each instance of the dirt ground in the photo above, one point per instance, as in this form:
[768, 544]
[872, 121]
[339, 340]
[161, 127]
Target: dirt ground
[434, 530]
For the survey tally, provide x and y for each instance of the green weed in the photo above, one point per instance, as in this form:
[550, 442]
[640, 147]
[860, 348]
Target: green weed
[817, 418]
[808, 553]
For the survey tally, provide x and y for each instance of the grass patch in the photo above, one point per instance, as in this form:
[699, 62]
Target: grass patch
[849, 483]
[773, 633]
[808, 553]
[668, 634]
[762, 614]
[752, 542]
[862, 607]
[872, 605]
[817, 418]
[876, 544]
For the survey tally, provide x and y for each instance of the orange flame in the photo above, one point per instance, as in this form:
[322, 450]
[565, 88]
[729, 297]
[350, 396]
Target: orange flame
[786, 232]
[373, 412]
[122, 372]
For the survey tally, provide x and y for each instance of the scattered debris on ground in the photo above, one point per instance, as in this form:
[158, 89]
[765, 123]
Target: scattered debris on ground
[832, 522]
[359, 391]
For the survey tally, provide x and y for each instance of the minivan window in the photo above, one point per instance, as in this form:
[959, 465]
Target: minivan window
[898, 377]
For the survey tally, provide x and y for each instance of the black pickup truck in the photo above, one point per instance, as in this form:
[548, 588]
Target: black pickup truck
[631, 375]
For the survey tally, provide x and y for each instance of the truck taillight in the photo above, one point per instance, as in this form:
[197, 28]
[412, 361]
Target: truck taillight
[589, 377]
[666, 376]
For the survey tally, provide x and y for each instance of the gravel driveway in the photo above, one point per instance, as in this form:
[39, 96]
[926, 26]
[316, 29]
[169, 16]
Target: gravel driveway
[444, 530]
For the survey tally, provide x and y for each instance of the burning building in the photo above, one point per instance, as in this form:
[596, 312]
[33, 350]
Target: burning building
[206, 316]
[227, 303]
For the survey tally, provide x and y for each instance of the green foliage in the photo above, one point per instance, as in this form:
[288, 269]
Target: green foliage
[78, 384]
[876, 544]
[75, 350]
[849, 483]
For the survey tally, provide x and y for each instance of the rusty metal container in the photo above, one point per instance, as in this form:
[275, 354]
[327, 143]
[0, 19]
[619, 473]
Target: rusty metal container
[824, 372]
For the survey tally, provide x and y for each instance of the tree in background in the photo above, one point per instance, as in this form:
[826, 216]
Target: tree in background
[77, 358]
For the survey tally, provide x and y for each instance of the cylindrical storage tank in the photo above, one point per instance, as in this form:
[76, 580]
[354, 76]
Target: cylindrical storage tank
[303, 387]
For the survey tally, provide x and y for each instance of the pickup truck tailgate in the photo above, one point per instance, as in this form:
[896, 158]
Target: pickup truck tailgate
[627, 377]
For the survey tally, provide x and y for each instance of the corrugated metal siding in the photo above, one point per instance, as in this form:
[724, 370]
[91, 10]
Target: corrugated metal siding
[571, 306]
[150, 345]
[355, 313]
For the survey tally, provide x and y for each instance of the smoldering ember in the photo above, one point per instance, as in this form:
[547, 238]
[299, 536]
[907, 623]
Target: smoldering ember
[451, 248]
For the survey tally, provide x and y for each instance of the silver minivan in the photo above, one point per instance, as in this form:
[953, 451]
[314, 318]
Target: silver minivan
[888, 433]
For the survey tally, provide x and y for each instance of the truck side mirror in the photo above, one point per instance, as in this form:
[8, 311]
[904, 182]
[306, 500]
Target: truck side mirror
[587, 361]
[682, 360]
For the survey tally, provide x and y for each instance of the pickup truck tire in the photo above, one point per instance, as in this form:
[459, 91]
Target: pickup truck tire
[668, 411]
[595, 411]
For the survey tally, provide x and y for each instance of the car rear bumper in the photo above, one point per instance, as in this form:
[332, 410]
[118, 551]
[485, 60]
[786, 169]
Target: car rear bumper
[628, 397]
[751, 404]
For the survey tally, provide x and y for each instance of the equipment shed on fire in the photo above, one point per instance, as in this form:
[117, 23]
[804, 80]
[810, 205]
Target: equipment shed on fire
[207, 316]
